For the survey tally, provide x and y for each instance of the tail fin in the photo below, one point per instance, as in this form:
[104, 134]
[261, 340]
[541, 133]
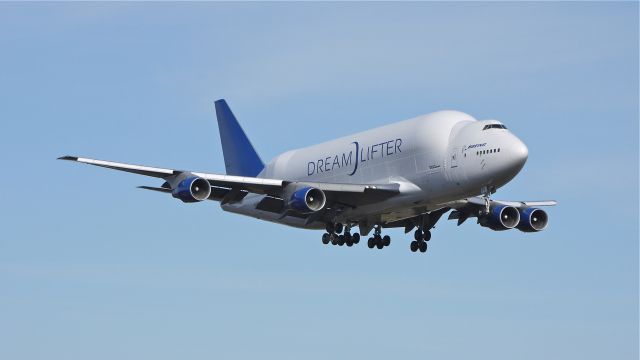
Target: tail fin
[240, 158]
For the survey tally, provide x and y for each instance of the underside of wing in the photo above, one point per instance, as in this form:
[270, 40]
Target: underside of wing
[501, 214]
[231, 188]
[354, 195]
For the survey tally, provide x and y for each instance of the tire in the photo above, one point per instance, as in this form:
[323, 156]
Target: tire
[356, 238]
[427, 235]
[371, 243]
[334, 239]
[386, 240]
[414, 246]
[349, 243]
[326, 238]
[341, 240]
[329, 227]
[339, 228]
[423, 246]
[377, 241]
[418, 235]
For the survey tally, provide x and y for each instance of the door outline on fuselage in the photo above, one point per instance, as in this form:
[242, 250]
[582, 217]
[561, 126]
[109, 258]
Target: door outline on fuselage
[453, 158]
[454, 167]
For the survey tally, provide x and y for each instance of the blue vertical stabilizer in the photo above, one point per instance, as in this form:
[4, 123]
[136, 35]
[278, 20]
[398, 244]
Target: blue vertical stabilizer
[240, 158]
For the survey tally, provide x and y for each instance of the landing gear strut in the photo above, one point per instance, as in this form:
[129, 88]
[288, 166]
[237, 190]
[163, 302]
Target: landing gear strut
[377, 240]
[334, 236]
[486, 195]
[340, 234]
[420, 242]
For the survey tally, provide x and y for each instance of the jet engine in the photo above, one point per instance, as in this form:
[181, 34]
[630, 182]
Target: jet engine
[192, 189]
[500, 217]
[307, 199]
[532, 220]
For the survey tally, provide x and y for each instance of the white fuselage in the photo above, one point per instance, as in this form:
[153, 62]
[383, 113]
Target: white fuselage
[435, 158]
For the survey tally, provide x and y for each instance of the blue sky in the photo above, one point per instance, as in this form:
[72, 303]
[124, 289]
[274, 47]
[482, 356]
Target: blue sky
[91, 267]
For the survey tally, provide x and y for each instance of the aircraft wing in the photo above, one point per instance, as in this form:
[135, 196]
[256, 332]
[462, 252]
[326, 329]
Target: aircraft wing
[470, 207]
[480, 202]
[345, 194]
[517, 204]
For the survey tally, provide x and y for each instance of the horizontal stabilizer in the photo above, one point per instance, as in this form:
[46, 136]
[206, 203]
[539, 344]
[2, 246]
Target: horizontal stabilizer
[159, 189]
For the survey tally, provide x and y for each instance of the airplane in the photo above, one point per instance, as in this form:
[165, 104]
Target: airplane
[403, 175]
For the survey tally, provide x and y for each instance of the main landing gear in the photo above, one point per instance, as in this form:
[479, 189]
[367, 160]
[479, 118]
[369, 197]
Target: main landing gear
[420, 242]
[334, 236]
[377, 240]
[339, 234]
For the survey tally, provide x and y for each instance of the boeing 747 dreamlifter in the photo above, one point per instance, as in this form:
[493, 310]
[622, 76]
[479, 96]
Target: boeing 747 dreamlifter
[407, 174]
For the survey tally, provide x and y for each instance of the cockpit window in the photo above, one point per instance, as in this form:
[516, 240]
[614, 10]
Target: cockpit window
[494, 126]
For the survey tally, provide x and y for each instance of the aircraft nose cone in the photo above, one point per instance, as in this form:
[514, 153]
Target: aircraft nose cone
[520, 153]
[514, 155]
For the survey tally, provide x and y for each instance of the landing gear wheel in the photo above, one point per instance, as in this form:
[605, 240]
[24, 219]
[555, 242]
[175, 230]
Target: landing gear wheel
[427, 235]
[379, 243]
[418, 235]
[414, 246]
[339, 228]
[334, 239]
[386, 240]
[340, 240]
[330, 228]
[349, 243]
[423, 246]
[371, 243]
[326, 238]
[356, 238]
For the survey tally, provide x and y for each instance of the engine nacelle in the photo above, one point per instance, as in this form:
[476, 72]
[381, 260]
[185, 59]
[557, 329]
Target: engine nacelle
[192, 189]
[532, 220]
[307, 200]
[501, 217]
